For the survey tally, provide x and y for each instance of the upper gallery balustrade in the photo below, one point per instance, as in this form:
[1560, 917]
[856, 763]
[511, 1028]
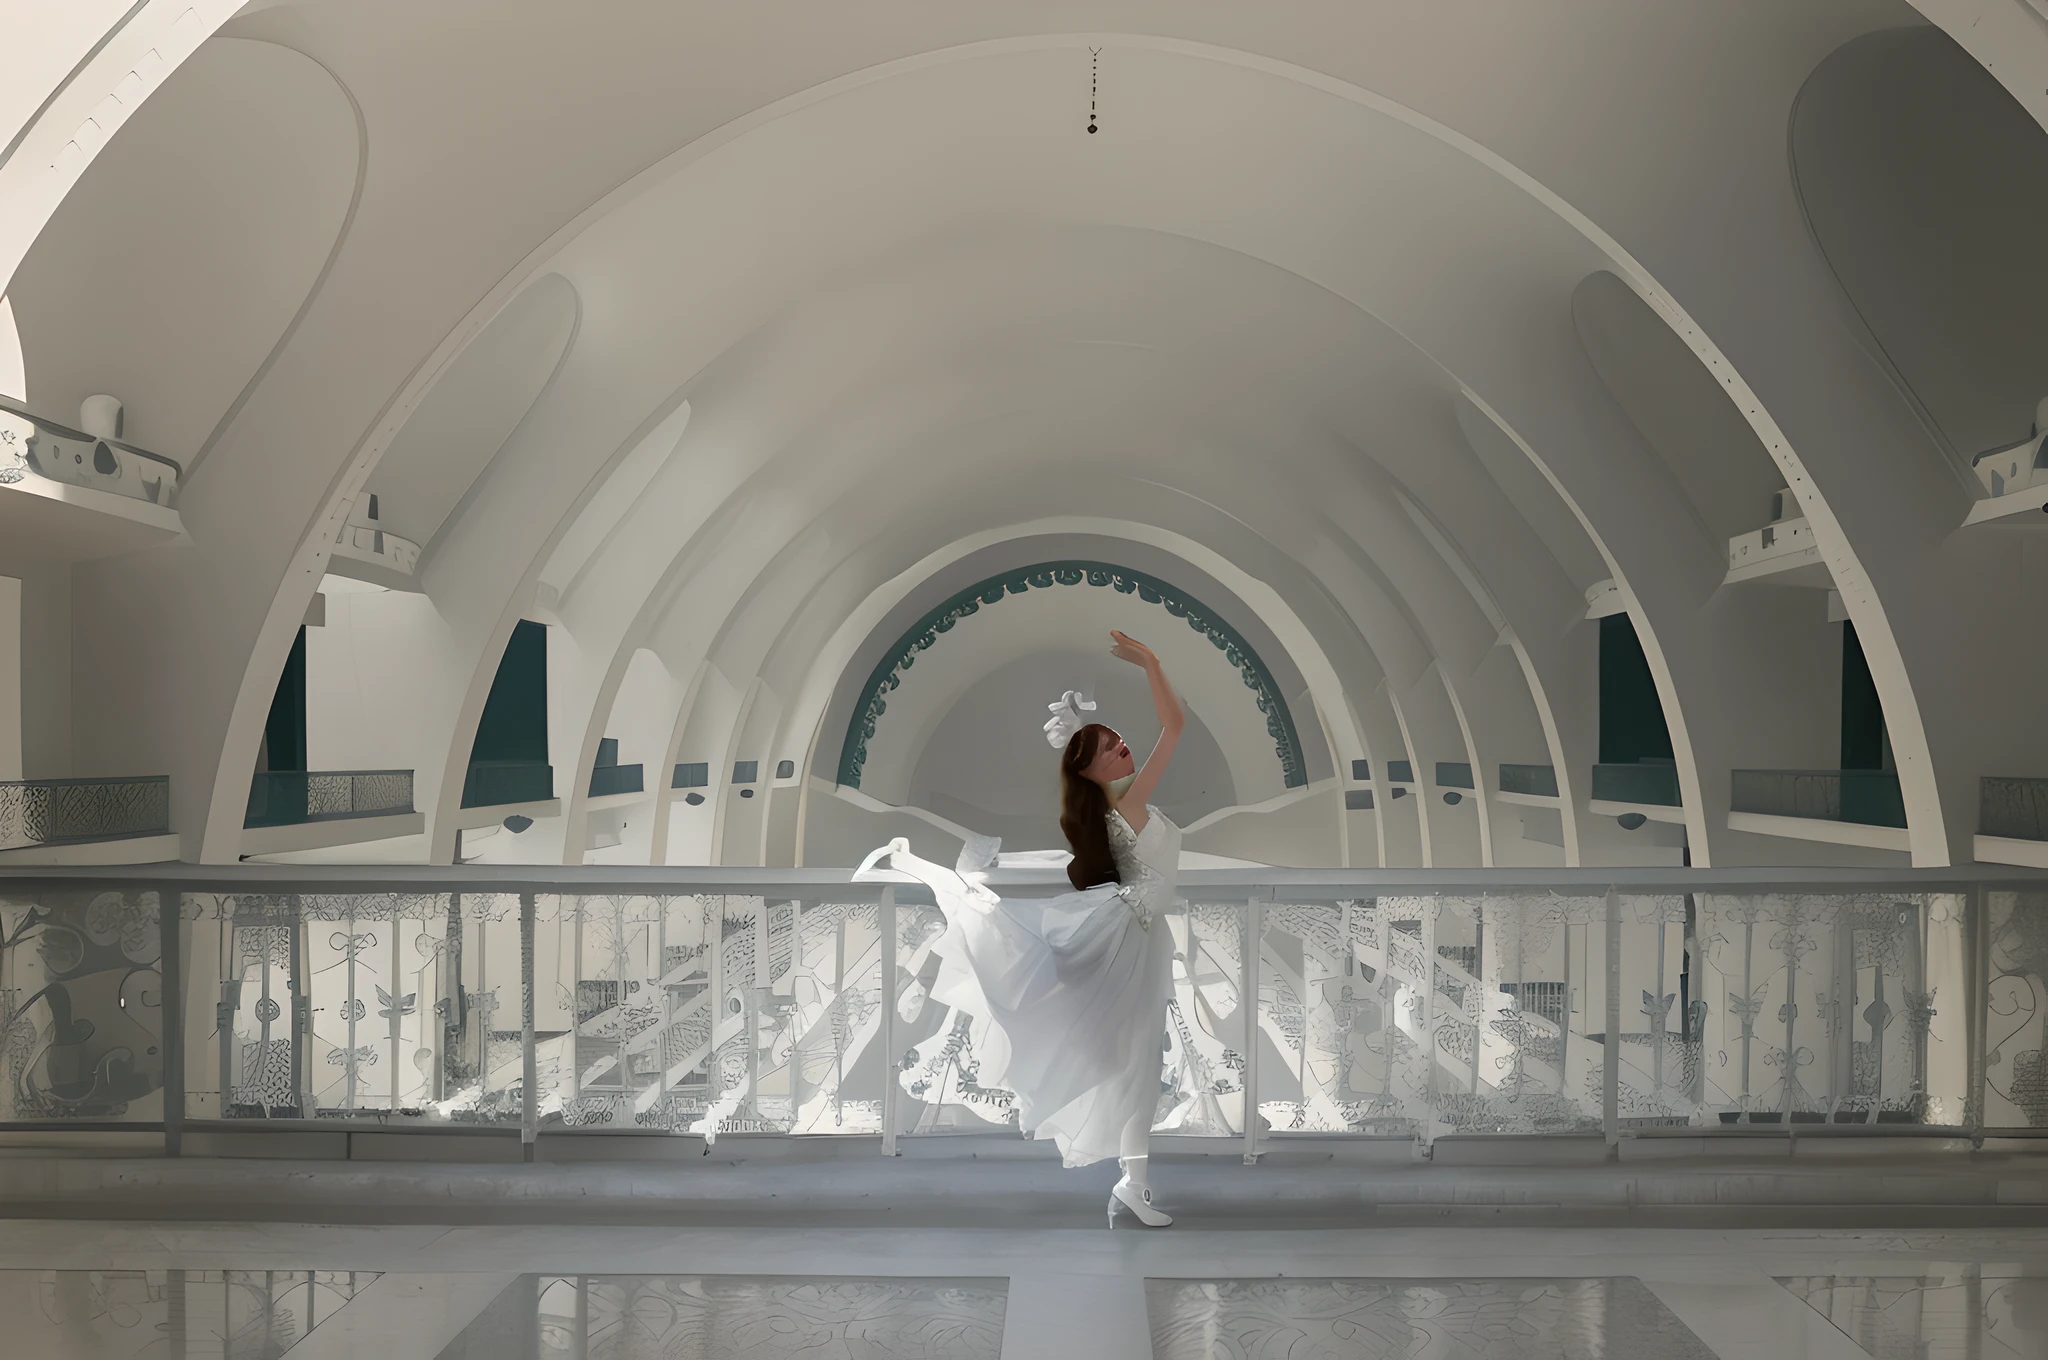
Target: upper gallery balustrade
[709, 1001]
[291, 797]
[503, 783]
[34, 446]
[1529, 781]
[2012, 821]
[608, 778]
[2014, 808]
[1863, 797]
[1650, 783]
[53, 812]
[366, 550]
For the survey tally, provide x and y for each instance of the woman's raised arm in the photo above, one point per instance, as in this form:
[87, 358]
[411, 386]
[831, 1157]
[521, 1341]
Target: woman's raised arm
[1172, 718]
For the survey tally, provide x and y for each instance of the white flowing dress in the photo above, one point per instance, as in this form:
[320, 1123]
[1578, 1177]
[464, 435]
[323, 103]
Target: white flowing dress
[1072, 989]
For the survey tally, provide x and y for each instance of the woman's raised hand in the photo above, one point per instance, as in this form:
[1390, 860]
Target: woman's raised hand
[1127, 648]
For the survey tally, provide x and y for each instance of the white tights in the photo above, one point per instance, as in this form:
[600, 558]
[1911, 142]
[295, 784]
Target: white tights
[1135, 1150]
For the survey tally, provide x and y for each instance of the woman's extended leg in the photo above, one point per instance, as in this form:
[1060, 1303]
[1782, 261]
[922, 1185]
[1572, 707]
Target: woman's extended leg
[1134, 1192]
[1135, 1149]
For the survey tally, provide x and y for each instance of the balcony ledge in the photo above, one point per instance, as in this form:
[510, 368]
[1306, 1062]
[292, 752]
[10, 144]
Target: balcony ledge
[1782, 552]
[162, 848]
[1656, 812]
[476, 818]
[601, 801]
[2010, 850]
[1825, 832]
[56, 520]
[2030, 501]
[1544, 800]
[355, 555]
[328, 832]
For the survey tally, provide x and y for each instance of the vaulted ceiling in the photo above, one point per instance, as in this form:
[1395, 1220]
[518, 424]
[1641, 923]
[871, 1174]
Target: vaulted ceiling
[731, 340]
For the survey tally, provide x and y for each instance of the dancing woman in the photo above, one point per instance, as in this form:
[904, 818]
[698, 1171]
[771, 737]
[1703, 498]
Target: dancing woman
[1072, 989]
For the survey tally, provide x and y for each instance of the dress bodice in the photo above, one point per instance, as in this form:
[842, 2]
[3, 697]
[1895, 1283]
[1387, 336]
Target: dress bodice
[1148, 861]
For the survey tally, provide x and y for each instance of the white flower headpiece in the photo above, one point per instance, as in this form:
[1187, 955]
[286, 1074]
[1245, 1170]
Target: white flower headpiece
[1066, 718]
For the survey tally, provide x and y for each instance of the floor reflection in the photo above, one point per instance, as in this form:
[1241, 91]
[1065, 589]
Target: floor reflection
[733, 1317]
[1289, 1319]
[1971, 1315]
[168, 1314]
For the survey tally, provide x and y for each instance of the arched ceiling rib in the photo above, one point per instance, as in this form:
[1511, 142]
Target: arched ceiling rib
[166, 278]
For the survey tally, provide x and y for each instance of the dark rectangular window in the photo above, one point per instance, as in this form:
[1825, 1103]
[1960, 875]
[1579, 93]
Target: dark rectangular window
[1400, 772]
[745, 771]
[1632, 726]
[284, 731]
[514, 725]
[695, 775]
[1866, 745]
[1361, 770]
[1453, 774]
[1358, 800]
[785, 769]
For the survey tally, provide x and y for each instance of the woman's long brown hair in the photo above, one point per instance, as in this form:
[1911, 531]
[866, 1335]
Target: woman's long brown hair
[1084, 811]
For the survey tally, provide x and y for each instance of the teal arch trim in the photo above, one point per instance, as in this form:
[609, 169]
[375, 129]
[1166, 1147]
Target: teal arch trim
[925, 633]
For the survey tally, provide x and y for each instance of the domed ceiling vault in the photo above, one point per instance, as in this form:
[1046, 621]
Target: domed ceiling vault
[1468, 262]
[1590, 400]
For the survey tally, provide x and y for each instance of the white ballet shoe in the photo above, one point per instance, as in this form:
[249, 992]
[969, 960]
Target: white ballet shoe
[1137, 1199]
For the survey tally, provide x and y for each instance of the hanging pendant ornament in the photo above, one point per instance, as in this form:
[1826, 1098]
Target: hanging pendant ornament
[1094, 83]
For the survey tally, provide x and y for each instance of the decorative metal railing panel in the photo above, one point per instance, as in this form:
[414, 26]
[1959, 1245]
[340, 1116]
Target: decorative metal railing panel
[2016, 1011]
[31, 446]
[1865, 797]
[1843, 1010]
[60, 811]
[1321, 1004]
[290, 797]
[1650, 785]
[2013, 808]
[81, 1007]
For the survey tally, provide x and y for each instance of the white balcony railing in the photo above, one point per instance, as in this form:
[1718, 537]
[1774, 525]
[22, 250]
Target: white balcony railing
[1337, 1003]
[33, 447]
[365, 548]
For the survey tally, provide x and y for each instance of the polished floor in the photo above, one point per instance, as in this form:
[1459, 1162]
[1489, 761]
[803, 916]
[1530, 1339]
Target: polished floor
[224, 1291]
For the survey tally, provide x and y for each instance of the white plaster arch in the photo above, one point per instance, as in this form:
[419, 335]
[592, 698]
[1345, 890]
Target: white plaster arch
[1360, 99]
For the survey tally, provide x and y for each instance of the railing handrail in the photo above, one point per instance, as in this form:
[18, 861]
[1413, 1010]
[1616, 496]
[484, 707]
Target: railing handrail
[69, 433]
[1879, 774]
[71, 781]
[1197, 885]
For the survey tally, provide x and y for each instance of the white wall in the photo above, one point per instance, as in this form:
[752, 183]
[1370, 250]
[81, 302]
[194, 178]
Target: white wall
[10, 678]
[364, 668]
[987, 764]
[43, 671]
[1300, 835]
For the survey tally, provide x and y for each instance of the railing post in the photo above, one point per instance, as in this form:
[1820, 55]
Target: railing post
[1248, 1002]
[885, 923]
[1977, 933]
[714, 972]
[170, 904]
[529, 1094]
[1610, 1054]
